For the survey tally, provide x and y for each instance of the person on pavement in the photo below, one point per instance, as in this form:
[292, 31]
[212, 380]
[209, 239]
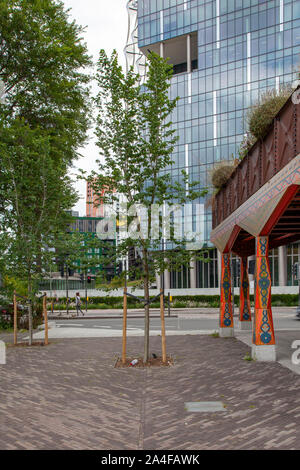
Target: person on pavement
[78, 304]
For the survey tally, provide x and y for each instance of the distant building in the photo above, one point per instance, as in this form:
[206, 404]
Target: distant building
[94, 203]
[86, 226]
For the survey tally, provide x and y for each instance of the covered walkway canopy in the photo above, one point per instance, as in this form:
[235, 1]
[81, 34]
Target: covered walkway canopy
[258, 209]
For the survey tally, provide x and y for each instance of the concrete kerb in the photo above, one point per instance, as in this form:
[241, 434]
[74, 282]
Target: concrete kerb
[65, 333]
[105, 317]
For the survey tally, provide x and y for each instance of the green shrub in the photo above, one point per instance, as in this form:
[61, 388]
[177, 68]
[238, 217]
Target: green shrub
[179, 301]
[5, 324]
[285, 300]
[248, 357]
[7, 319]
[221, 173]
[261, 114]
[178, 304]
[215, 334]
[103, 306]
[23, 322]
[246, 145]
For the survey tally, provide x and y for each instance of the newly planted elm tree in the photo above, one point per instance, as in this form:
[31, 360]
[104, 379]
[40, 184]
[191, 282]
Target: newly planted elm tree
[136, 140]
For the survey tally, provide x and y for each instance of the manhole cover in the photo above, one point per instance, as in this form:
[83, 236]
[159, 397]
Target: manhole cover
[204, 406]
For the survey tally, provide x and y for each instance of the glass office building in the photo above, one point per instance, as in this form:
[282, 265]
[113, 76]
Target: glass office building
[225, 53]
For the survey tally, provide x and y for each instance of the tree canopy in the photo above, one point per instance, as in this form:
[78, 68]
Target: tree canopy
[136, 140]
[44, 117]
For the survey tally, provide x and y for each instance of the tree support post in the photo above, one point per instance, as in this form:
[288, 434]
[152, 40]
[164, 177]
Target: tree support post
[67, 288]
[30, 313]
[15, 319]
[298, 308]
[163, 328]
[245, 321]
[263, 348]
[124, 326]
[226, 317]
[45, 319]
[86, 296]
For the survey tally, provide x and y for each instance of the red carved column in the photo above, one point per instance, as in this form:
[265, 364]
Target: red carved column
[263, 348]
[245, 307]
[226, 317]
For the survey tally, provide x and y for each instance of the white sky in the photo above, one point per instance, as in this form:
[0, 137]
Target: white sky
[106, 22]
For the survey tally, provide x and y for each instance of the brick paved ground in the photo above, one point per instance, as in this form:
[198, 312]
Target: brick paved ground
[69, 396]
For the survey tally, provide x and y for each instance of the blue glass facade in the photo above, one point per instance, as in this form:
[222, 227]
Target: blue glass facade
[243, 48]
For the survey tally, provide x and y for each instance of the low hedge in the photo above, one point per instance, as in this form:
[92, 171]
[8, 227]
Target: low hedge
[195, 301]
[7, 321]
[285, 300]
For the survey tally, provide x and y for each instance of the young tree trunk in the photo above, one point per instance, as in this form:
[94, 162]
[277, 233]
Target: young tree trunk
[30, 312]
[147, 309]
[147, 323]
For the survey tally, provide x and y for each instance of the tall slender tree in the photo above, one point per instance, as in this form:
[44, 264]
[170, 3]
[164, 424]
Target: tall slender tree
[43, 63]
[44, 117]
[38, 195]
[136, 141]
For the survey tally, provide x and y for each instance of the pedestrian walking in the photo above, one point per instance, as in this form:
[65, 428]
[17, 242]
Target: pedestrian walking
[78, 303]
[54, 301]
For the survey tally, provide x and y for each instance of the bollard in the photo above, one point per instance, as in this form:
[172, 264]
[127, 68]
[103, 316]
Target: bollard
[2, 353]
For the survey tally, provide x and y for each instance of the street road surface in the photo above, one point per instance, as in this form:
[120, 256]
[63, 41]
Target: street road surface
[184, 322]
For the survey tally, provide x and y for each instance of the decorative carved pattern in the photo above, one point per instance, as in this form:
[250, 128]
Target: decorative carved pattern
[263, 330]
[226, 317]
[245, 307]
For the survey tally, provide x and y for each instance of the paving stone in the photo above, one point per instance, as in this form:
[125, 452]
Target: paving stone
[69, 396]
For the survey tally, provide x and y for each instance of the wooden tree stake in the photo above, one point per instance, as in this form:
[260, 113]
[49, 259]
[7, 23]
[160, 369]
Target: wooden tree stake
[124, 326]
[15, 320]
[45, 319]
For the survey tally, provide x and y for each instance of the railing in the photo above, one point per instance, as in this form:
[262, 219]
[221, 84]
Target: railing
[61, 285]
[266, 158]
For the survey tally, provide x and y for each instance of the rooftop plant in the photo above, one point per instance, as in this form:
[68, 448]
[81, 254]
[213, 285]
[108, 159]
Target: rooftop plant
[262, 113]
[221, 172]
[219, 175]
[246, 145]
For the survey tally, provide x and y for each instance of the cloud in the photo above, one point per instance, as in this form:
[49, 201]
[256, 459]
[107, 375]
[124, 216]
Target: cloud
[106, 28]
